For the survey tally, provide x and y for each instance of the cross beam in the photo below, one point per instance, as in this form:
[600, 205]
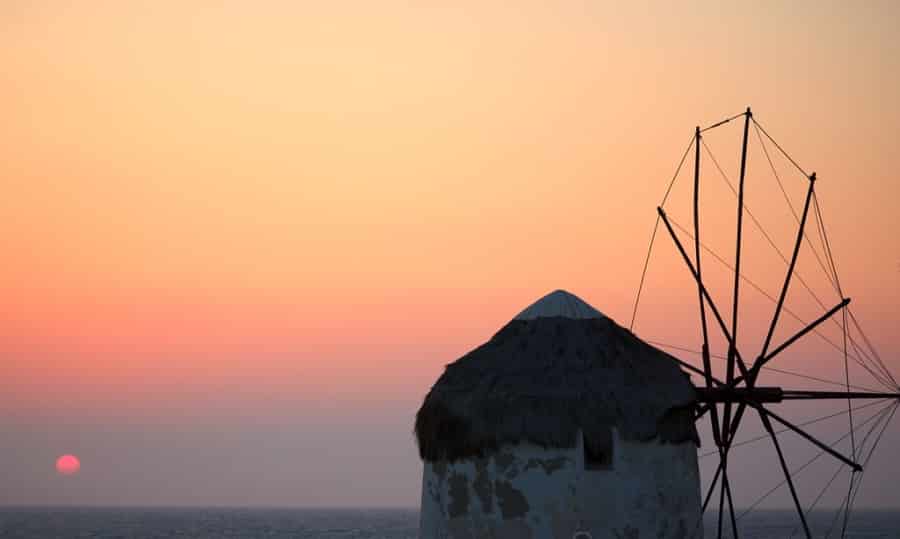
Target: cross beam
[760, 395]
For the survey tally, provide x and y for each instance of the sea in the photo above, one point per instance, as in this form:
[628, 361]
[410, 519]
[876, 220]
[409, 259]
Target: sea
[236, 523]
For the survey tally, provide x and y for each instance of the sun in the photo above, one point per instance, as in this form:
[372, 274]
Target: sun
[68, 465]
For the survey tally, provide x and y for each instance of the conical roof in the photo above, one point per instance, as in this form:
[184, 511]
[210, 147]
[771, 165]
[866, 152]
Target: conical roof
[559, 367]
[559, 303]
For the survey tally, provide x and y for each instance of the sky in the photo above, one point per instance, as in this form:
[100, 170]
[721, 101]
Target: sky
[241, 240]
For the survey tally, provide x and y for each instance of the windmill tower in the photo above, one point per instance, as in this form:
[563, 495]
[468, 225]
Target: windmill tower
[562, 425]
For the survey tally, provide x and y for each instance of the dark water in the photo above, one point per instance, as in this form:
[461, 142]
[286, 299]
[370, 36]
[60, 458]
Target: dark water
[122, 523]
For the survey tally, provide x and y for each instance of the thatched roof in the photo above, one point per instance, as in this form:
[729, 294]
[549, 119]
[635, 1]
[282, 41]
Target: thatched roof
[559, 367]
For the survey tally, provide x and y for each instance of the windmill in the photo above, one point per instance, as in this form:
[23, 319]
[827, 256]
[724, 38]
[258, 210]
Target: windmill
[726, 400]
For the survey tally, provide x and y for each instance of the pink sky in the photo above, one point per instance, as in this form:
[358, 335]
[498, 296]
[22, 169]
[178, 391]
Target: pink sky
[241, 242]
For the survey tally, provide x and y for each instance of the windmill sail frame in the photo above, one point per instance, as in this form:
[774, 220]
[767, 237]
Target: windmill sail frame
[739, 391]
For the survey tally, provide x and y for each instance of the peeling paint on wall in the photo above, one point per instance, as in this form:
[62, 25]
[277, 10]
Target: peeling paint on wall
[504, 461]
[459, 495]
[548, 465]
[515, 529]
[440, 468]
[483, 487]
[652, 491]
[460, 529]
[628, 533]
[512, 502]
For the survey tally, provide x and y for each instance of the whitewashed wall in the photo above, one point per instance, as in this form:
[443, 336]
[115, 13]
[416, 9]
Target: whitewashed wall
[526, 492]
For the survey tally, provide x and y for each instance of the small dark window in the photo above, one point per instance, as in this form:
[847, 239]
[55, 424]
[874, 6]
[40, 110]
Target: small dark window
[598, 450]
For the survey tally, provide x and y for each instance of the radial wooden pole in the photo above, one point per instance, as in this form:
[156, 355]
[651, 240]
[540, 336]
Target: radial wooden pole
[721, 502]
[712, 488]
[762, 360]
[729, 374]
[707, 366]
[802, 394]
[790, 272]
[787, 473]
[712, 306]
[768, 357]
[734, 530]
[801, 432]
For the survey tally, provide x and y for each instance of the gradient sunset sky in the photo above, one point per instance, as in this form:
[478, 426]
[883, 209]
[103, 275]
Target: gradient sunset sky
[240, 240]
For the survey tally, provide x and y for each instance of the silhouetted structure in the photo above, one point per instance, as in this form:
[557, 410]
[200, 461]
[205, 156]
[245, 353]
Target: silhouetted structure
[563, 421]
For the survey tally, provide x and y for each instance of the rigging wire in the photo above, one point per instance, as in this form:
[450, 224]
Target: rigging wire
[823, 235]
[765, 234]
[837, 283]
[804, 424]
[817, 379]
[765, 149]
[790, 312]
[847, 505]
[793, 473]
[865, 338]
[847, 382]
[871, 347]
[844, 507]
[787, 199]
[791, 159]
[866, 356]
[759, 289]
[764, 367]
[879, 414]
[866, 463]
[812, 506]
[826, 246]
[637, 298]
[832, 276]
[850, 414]
[861, 354]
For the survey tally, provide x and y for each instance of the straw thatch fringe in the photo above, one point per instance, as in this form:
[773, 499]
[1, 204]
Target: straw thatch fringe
[543, 380]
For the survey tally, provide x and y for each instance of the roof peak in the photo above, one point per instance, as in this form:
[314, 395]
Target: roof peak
[559, 303]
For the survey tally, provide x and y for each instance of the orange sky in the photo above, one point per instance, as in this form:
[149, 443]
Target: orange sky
[241, 213]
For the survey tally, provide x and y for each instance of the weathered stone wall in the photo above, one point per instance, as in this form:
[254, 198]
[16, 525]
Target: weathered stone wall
[527, 492]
